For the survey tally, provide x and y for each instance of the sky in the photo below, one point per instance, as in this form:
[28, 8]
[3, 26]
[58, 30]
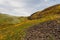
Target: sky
[25, 7]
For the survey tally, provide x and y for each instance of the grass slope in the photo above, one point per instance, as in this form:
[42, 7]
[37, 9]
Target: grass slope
[8, 19]
[46, 12]
[17, 31]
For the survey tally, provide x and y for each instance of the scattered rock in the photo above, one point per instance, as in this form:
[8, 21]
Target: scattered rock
[44, 31]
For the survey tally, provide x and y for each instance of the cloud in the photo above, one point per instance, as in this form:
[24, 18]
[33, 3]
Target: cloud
[9, 6]
[46, 0]
[24, 7]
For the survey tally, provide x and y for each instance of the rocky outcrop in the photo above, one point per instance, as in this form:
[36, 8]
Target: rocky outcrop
[44, 31]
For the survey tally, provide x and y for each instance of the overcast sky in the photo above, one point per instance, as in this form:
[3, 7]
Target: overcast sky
[25, 7]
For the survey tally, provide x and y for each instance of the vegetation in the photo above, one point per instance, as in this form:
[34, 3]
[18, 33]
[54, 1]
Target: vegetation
[14, 28]
[46, 12]
[8, 19]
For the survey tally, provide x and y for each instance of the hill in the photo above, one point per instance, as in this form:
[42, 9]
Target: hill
[21, 25]
[8, 19]
[53, 10]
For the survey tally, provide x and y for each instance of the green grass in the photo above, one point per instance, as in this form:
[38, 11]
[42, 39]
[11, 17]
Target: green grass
[17, 31]
[48, 11]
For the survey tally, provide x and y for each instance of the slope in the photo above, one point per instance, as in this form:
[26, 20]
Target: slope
[18, 31]
[46, 12]
[8, 19]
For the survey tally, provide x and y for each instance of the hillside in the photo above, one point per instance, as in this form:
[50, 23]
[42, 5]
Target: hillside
[8, 19]
[22, 25]
[53, 10]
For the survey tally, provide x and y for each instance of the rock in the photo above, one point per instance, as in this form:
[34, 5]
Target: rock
[44, 31]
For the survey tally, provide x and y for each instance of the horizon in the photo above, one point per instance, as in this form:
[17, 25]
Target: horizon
[25, 7]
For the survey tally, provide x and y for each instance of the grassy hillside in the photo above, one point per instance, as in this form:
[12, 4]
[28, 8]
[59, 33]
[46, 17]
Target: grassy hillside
[46, 12]
[17, 31]
[8, 19]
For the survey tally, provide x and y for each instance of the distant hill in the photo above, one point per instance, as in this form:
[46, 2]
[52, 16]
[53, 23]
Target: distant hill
[8, 19]
[53, 10]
